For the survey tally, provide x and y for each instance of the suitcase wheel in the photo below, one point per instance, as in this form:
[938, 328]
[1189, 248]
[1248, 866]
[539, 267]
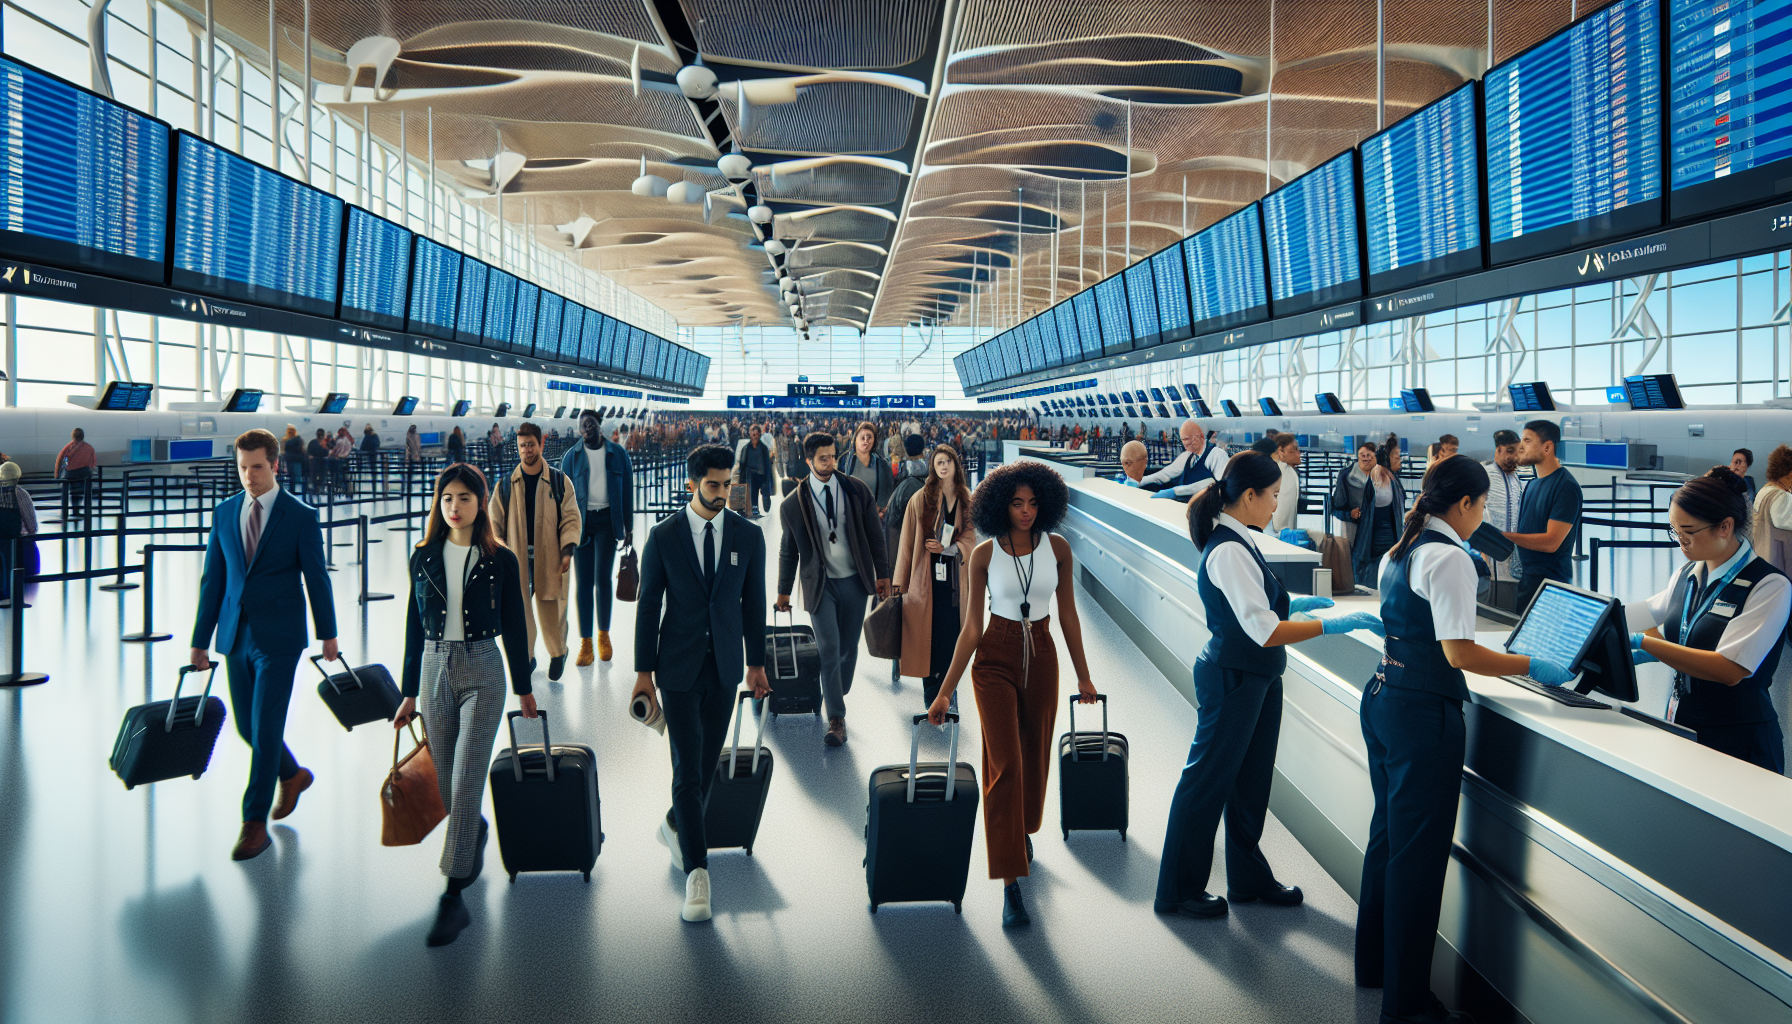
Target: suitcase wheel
[749, 851]
[957, 907]
[816, 712]
[1067, 835]
[128, 787]
[197, 774]
[513, 878]
[1123, 835]
[874, 908]
[587, 875]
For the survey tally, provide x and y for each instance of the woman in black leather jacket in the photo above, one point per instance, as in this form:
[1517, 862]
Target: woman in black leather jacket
[466, 596]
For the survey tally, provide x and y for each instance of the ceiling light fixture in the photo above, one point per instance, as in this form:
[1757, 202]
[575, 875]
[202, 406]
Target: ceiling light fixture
[649, 184]
[759, 214]
[687, 192]
[735, 166]
[696, 81]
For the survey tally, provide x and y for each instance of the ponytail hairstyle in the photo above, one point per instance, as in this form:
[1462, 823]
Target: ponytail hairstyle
[1446, 484]
[1715, 497]
[1247, 471]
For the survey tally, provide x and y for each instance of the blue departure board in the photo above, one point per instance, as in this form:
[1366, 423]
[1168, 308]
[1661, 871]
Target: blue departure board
[500, 309]
[606, 344]
[83, 180]
[1310, 225]
[1225, 273]
[637, 347]
[1048, 334]
[1729, 103]
[590, 335]
[1574, 135]
[1171, 278]
[1422, 195]
[467, 324]
[572, 327]
[1035, 345]
[435, 283]
[1005, 354]
[989, 364]
[1141, 300]
[376, 265]
[702, 371]
[522, 336]
[245, 232]
[650, 359]
[1065, 314]
[664, 370]
[1088, 322]
[1116, 321]
[547, 325]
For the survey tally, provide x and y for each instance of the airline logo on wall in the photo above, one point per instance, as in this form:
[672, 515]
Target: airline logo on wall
[28, 278]
[191, 305]
[1599, 261]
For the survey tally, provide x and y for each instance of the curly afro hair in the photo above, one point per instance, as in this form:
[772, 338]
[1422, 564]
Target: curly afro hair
[989, 505]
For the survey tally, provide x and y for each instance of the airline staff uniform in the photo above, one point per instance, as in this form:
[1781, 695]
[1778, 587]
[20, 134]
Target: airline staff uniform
[1190, 473]
[1238, 684]
[1413, 726]
[1742, 616]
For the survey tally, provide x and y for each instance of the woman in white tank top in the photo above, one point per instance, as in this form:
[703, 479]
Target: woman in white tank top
[1015, 675]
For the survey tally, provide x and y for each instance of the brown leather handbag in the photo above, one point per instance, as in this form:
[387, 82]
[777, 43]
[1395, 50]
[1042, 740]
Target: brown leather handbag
[883, 628]
[628, 575]
[410, 799]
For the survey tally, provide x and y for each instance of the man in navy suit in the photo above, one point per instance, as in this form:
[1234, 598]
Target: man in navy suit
[263, 542]
[707, 566]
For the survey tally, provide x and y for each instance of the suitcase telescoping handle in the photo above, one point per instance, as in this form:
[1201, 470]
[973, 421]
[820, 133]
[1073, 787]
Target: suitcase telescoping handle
[173, 702]
[516, 752]
[758, 742]
[1075, 753]
[914, 754]
[318, 660]
[777, 666]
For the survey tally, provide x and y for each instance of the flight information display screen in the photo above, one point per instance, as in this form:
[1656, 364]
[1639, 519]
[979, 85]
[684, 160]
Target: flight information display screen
[637, 347]
[522, 336]
[1116, 321]
[1574, 135]
[1141, 301]
[1011, 361]
[473, 275]
[1167, 269]
[1088, 322]
[1422, 195]
[1311, 228]
[572, 326]
[1065, 315]
[500, 309]
[1048, 336]
[606, 342]
[83, 180]
[1729, 103]
[1226, 283]
[435, 284]
[245, 232]
[547, 325]
[591, 334]
[1035, 357]
[376, 264]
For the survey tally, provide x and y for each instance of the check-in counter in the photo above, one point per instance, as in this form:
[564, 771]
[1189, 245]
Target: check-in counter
[1603, 870]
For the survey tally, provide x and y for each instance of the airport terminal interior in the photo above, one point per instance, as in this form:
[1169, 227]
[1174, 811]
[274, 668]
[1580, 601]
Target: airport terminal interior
[1392, 401]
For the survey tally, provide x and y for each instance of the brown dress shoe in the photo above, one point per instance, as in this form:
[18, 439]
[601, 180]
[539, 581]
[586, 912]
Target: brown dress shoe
[604, 651]
[290, 790]
[836, 732]
[585, 655]
[252, 841]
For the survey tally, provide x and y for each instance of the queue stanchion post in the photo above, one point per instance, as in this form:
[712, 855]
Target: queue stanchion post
[119, 582]
[367, 596]
[148, 634]
[16, 674]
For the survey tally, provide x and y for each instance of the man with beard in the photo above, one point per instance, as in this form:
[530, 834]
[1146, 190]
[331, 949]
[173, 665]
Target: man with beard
[1505, 496]
[1548, 515]
[537, 517]
[605, 491]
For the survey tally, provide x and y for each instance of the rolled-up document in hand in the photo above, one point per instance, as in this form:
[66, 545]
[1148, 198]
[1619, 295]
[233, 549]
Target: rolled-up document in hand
[637, 708]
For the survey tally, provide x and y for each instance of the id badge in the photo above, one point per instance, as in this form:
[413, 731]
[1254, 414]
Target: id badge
[939, 572]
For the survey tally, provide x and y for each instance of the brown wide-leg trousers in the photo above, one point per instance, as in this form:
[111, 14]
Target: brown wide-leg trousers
[1017, 716]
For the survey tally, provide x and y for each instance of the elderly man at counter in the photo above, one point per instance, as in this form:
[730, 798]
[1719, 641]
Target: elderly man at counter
[1133, 460]
[1191, 472]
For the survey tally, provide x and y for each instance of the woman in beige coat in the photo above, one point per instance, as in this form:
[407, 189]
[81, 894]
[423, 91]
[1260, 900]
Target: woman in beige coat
[937, 539]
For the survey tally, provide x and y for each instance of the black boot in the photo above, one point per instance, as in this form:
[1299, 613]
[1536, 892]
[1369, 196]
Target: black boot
[556, 666]
[451, 919]
[1014, 912]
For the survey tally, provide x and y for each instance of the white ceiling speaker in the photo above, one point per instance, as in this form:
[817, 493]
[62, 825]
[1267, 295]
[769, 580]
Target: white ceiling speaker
[649, 184]
[775, 247]
[687, 192]
[760, 214]
[734, 166]
[786, 282]
[696, 81]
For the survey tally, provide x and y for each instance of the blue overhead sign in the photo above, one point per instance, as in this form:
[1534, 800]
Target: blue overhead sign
[832, 402]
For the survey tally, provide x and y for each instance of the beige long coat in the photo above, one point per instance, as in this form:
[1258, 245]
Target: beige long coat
[914, 573]
[551, 521]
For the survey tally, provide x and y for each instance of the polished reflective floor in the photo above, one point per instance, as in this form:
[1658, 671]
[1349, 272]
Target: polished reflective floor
[119, 905]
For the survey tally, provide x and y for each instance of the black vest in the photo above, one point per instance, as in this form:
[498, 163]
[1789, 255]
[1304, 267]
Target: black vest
[1710, 702]
[1196, 470]
[1229, 646]
[1413, 657]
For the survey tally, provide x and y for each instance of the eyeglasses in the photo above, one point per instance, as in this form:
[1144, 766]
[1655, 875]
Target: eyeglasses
[1685, 536]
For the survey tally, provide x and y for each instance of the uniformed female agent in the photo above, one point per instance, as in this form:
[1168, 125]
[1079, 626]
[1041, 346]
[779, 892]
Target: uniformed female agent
[1238, 683]
[1413, 727]
[1723, 619]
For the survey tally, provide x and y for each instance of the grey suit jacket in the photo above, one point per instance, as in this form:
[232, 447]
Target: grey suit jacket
[800, 554]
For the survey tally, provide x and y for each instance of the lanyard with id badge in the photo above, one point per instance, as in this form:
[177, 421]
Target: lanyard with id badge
[1693, 608]
[940, 569]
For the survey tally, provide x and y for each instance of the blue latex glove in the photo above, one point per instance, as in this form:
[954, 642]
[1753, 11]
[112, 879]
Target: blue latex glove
[1548, 672]
[1128, 481]
[1307, 604]
[1355, 620]
[1168, 492]
[1638, 656]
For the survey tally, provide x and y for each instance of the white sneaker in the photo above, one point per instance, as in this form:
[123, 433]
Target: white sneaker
[696, 895]
[669, 839]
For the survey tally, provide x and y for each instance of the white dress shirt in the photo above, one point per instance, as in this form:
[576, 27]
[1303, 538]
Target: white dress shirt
[597, 483]
[266, 501]
[1750, 635]
[1287, 500]
[697, 523]
[836, 553]
[1215, 457]
[1444, 576]
[1505, 496]
[1240, 578]
[456, 561]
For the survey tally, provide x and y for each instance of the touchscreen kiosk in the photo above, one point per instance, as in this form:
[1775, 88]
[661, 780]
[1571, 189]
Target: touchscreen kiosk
[1582, 630]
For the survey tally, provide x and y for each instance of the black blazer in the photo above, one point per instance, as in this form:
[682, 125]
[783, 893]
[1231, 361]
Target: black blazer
[491, 606]
[730, 617]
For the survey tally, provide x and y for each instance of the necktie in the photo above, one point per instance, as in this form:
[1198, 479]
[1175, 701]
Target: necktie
[254, 540]
[828, 494]
[709, 553]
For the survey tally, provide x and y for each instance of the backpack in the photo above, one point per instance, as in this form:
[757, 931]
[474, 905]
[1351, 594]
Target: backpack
[907, 486]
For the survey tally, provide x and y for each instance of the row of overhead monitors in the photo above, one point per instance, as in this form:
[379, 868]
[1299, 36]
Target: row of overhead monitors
[1591, 135]
[94, 185]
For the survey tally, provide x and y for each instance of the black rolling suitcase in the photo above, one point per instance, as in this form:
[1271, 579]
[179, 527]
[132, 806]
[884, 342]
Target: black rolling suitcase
[793, 663]
[357, 696]
[918, 827]
[166, 739]
[737, 797]
[546, 806]
[1092, 791]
